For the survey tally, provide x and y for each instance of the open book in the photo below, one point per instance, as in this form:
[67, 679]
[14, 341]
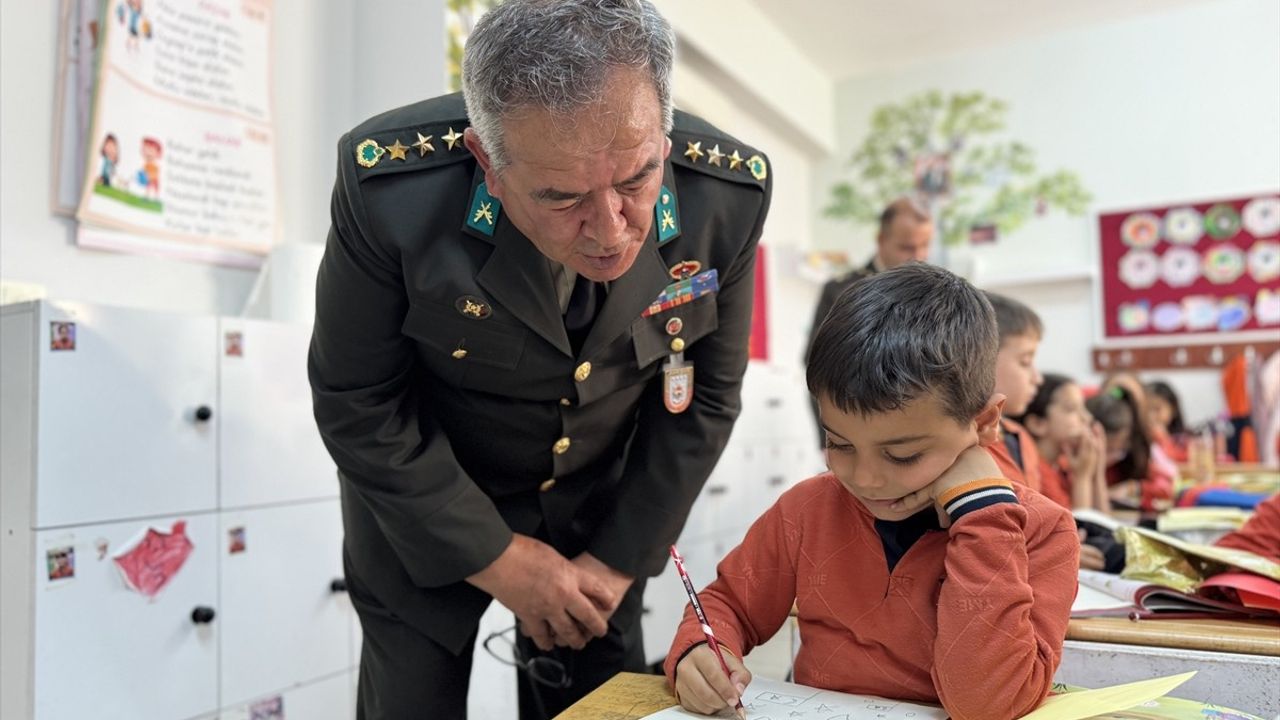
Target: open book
[1106, 595]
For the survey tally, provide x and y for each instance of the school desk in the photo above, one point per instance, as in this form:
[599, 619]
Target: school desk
[1238, 661]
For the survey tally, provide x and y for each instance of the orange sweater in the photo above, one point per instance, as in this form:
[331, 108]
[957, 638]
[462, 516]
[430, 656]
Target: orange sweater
[1028, 473]
[1057, 483]
[1261, 535]
[973, 616]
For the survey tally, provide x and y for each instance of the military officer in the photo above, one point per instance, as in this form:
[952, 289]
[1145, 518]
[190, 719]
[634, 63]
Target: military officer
[531, 331]
[905, 231]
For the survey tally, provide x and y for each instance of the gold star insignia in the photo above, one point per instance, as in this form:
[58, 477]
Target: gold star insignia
[735, 161]
[668, 221]
[695, 150]
[453, 138]
[714, 155]
[397, 150]
[484, 213]
[424, 145]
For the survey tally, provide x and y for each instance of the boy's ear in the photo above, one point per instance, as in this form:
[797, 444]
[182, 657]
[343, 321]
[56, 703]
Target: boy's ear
[987, 421]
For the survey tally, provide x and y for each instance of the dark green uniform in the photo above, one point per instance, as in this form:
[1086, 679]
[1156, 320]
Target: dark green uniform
[447, 391]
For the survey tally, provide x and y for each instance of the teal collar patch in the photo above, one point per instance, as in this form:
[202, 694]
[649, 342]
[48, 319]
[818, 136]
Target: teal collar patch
[666, 216]
[485, 208]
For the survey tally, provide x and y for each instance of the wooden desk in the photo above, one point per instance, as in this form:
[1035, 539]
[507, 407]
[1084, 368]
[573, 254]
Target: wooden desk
[627, 696]
[1255, 637]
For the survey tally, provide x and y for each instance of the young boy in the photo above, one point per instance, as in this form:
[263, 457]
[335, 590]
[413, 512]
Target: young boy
[917, 571]
[1017, 379]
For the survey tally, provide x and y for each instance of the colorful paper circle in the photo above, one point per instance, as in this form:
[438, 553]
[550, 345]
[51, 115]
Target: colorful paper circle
[1224, 264]
[1139, 269]
[1167, 317]
[1180, 267]
[1141, 230]
[1222, 221]
[1262, 216]
[1134, 317]
[1266, 308]
[1183, 226]
[1233, 313]
[1200, 312]
[1264, 261]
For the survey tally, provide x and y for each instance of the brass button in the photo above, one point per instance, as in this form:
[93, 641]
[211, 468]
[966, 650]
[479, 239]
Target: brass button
[583, 372]
[561, 446]
[566, 402]
[677, 345]
[459, 354]
[547, 485]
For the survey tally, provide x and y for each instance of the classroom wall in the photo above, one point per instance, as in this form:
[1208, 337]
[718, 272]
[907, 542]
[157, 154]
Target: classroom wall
[1179, 105]
[335, 63]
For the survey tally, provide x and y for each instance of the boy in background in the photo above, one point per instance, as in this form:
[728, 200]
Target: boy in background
[917, 570]
[1017, 379]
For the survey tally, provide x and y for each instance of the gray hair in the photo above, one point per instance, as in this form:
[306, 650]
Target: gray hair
[556, 55]
[900, 334]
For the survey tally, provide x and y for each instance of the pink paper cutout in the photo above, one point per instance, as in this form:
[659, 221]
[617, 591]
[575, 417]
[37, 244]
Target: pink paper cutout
[150, 564]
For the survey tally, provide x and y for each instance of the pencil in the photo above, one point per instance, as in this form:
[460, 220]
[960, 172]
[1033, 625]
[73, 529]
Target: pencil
[702, 618]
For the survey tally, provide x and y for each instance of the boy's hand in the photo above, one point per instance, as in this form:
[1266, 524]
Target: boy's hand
[972, 464]
[701, 685]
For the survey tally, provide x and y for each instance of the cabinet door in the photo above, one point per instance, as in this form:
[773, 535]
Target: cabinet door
[105, 651]
[270, 449]
[120, 432]
[326, 699]
[282, 623]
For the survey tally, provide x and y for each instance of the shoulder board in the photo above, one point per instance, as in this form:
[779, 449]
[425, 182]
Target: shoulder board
[700, 146]
[420, 136]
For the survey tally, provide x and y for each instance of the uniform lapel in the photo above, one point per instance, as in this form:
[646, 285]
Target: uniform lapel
[518, 276]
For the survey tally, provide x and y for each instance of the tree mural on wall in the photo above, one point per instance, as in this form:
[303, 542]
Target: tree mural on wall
[938, 150]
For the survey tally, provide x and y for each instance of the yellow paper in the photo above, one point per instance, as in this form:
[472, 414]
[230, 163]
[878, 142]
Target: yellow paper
[1088, 703]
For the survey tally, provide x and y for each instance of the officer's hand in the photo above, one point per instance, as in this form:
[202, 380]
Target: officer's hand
[702, 686]
[598, 574]
[549, 595]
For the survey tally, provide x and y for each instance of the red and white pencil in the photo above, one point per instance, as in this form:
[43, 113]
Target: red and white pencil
[702, 618]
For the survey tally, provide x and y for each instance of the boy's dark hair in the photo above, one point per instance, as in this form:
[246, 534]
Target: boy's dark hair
[1115, 409]
[897, 335]
[1014, 318]
[1164, 391]
[1039, 405]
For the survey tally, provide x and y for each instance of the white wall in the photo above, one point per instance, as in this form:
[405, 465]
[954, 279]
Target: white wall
[1182, 105]
[335, 63]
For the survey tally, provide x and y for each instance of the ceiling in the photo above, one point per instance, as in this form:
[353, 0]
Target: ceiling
[852, 37]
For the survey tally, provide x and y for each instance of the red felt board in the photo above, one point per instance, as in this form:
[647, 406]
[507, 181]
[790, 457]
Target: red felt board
[1209, 267]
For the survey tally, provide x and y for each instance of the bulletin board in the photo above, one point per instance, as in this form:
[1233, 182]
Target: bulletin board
[1202, 268]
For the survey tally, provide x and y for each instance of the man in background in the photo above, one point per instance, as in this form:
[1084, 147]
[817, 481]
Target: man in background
[906, 230]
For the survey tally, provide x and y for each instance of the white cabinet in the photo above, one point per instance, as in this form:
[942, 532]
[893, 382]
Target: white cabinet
[126, 400]
[282, 619]
[270, 450]
[113, 421]
[103, 650]
[329, 698]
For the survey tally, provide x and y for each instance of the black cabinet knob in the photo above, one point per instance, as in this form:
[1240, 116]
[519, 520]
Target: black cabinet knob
[203, 413]
[339, 585]
[202, 615]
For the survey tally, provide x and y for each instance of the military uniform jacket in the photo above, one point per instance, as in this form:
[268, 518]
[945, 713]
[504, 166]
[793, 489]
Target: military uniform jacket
[444, 383]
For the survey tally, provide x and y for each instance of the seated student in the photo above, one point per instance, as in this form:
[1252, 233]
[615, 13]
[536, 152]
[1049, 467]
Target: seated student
[1017, 379]
[1164, 414]
[1132, 476]
[1072, 453]
[916, 570]
[1261, 535]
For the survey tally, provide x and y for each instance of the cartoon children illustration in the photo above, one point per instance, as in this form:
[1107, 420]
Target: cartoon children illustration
[130, 15]
[110, 152]
[149, 175]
